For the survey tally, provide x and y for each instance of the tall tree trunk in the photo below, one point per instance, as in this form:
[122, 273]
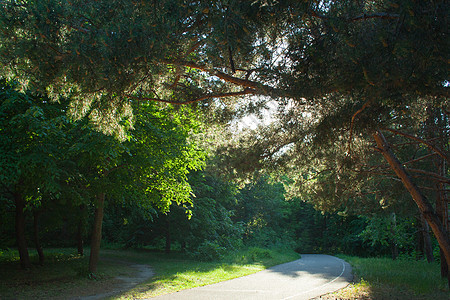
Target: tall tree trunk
[20, 232]
[96, 234]
[422, 202]
[437, 125]
[79, 235]
[394, 244]
[427, 248]
[37, 243]
[168, 237]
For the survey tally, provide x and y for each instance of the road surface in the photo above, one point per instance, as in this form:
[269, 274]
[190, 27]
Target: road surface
[311, 276]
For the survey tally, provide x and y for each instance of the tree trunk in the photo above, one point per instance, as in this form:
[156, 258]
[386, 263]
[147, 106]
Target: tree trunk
[437, 127]
[394, 245]
[419, 238]
[168, 237]
[427, 248]
[79, 236]
[37, 242]
[20, 232]
[422, 202]
[96, 234]
[440, 211]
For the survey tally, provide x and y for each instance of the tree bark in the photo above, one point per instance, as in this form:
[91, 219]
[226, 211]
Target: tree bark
[20, 232]
[440, 211]
[96, 234]
[37, 242]
[422, 202]
[79, 235]
[427, 248]
[168, 237]
[437, 125]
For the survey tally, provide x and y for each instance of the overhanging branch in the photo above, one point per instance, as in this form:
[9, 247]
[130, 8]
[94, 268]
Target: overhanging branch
[430, 174]
[204, 97]
[361, 17]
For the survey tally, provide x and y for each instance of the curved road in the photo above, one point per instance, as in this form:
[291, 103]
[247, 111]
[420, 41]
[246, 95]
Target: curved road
[311, 276]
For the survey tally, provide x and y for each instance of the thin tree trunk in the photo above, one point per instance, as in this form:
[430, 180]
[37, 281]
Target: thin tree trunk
[37, 242]
[96, 234]
[394, 245]
[79, 236]
[422, 202]
[440, 211]
[20, 232]
[427, 248]
[168, 237]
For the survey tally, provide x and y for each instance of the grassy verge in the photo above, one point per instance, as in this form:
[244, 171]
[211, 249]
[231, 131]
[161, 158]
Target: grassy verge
[383, 278]
[64, 275]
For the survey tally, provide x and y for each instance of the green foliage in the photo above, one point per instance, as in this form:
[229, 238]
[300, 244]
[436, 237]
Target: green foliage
[383, 231]
[261, 207]
[208, 251]
[161, 154]
[258, 253]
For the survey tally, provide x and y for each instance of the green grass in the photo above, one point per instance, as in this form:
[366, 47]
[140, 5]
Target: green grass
[384, 278]
[65, 275]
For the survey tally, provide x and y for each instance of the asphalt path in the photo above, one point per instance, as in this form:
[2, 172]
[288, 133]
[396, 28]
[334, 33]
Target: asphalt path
[309, 277]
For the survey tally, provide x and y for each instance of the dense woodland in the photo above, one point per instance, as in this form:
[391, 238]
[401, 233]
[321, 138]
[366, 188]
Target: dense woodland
[118, 125]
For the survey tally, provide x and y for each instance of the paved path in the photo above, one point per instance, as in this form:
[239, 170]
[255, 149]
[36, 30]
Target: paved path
[311, 276]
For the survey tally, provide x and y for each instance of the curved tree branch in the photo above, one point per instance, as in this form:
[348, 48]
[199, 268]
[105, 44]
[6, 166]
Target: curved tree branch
[256, 87]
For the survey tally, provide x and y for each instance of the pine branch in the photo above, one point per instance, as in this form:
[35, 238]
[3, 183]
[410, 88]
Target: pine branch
[375, 16]
[232, 79]
[419, 159]
[352, 123]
